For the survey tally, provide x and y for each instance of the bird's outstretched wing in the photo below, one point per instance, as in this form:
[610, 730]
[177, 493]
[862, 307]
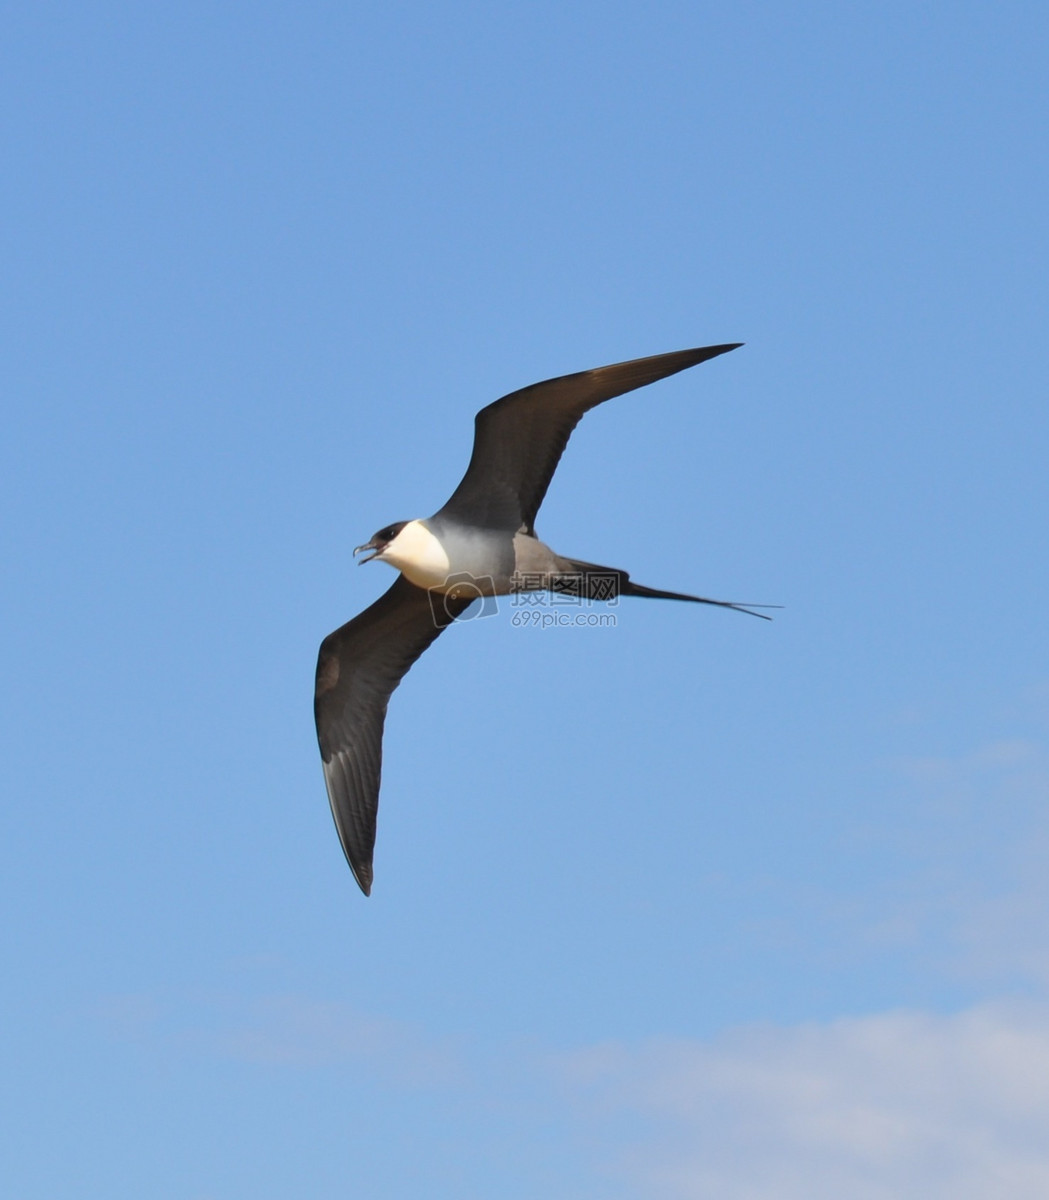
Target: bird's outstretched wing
[357, 670]
[519, 439]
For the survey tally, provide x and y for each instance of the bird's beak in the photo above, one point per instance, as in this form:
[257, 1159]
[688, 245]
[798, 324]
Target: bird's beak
[375, 548]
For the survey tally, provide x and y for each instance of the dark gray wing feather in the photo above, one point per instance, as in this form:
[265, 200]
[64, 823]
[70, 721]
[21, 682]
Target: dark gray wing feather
[519, 439]
[358, 668]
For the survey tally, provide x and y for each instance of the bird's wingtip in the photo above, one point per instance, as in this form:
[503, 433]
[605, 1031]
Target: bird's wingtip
[708, 352]
[362, 872]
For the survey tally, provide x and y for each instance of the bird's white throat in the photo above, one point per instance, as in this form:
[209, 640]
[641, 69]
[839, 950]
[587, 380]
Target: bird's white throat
[419, 555]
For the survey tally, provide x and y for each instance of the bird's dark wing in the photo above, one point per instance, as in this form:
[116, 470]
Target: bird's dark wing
[357, 670]
[519, 439]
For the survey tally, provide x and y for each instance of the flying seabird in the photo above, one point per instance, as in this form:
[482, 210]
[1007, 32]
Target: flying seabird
[481, 543]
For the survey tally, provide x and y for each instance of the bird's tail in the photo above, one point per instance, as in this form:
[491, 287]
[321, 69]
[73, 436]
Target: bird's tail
[591, 582]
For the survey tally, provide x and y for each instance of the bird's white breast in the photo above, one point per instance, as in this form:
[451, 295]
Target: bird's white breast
[419, 555]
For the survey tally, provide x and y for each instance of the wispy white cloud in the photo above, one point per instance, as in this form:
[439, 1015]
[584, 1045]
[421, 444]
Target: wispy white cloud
[982, 822]
[285, 1030]
[900, 1105]
[938, 875]
[897, 1106]
[296, 1031]
[1010, 754]
[893, 1106]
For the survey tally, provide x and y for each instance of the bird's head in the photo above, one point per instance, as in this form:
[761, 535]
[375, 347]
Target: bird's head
[380, 542]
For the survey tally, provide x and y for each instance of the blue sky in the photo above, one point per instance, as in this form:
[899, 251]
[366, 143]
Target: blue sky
[692, 907]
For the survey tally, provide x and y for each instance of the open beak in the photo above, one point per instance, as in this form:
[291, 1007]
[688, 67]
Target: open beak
[375, 548]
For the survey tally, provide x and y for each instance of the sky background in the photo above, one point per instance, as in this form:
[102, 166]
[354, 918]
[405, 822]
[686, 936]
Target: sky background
[693, 908]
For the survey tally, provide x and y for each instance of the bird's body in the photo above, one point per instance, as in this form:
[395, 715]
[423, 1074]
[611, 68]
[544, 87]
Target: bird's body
[444, 555]
[481, 543]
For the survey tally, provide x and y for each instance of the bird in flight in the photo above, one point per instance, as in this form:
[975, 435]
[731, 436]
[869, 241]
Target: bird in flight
[481, 543]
